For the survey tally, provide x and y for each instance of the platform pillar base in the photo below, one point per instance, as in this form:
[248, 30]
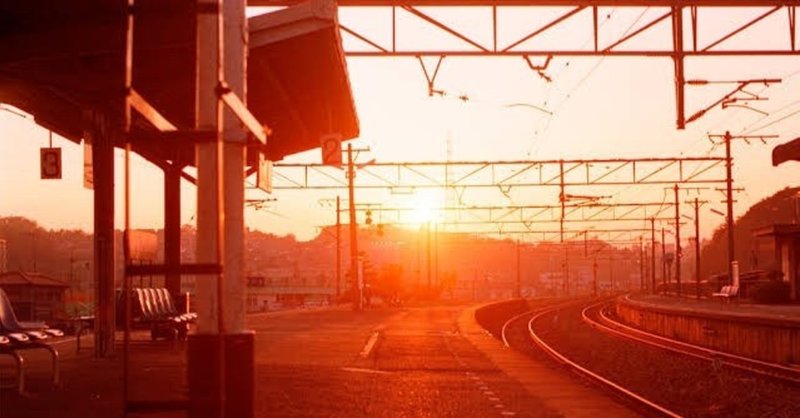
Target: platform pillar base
[203, 375]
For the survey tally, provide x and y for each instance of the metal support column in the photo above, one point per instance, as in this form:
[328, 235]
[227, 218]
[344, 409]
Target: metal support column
[641, 264]
[436, 255]
[519, 272]
[697, 246]
[652, 255]
[563, 198]
[338, 248]
[678, 252]
[611, 271]
[729, 204]
[664, 278]
[172, 229]
[428, 258]
[351, 174]
[678, 57]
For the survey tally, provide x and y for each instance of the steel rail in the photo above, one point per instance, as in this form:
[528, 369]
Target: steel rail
[594, 377]
[772, 370]
[504, 329]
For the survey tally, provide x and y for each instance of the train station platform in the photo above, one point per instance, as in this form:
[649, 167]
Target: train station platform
[412, 361]
[735, 310]
[769, 333]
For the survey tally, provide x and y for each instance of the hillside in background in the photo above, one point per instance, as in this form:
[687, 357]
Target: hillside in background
[401, 257]
[780, 208]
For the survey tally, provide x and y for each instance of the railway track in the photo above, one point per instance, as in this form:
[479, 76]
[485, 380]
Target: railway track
[640, 402]
[596, 315]
[615, 356]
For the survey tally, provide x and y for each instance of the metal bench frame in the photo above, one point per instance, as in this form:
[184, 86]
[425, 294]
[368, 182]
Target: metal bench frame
[727, 292]
[10, 325]
[152, 311]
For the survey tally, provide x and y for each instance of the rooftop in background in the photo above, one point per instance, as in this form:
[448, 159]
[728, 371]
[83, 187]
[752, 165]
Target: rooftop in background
[778, 229]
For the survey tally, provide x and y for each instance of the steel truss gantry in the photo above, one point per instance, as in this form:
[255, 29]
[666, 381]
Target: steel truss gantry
[570, 235]
[684, 20]
[406, 177]
[527, 215]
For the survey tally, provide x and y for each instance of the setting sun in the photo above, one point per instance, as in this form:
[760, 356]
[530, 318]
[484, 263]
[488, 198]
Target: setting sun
[426, 204]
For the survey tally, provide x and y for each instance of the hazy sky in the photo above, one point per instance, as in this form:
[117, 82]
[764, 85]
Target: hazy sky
[613, 107]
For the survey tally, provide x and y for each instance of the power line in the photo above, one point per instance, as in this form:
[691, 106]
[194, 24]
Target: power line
[773, 122]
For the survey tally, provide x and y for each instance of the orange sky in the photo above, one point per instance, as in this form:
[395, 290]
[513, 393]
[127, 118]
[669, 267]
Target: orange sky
[624, 108]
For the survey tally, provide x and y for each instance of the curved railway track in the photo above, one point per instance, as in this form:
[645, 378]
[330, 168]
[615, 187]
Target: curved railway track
[632, 397]
[607, 350]
[606, 324]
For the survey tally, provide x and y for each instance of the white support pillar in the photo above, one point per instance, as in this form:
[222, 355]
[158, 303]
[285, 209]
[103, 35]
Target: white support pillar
[234, 54]
[221, 384]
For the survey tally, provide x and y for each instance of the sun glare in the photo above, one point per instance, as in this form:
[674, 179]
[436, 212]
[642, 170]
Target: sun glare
[425, 204]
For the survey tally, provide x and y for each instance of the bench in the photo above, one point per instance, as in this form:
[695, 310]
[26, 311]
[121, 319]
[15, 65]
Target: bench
[153, 308]
[168, 305]
[81, 324]
[18, 336]
[727, 292]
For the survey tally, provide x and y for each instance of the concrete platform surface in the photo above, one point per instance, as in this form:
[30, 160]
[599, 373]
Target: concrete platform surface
[410, 362]
[335, 362]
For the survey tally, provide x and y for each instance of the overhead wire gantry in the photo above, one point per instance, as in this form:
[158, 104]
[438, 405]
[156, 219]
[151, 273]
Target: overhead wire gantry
[674, 23]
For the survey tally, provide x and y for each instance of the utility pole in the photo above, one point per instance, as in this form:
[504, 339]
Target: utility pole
[338, 247]
[585, 244]
[594, 277]
[474, 284]
[611, 270]
[697, 203]
[428, 239]
[663, 259]
[652, 255]
[566, 268]
[677, 239]
[419, 261]
[351, 174]
[729, 203]
[641, 264]
[436, 279]
[563, 198]
[519, 272]
[726, 139]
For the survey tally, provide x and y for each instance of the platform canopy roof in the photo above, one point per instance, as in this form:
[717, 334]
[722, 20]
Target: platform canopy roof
[789, 151]
[787, 230]
[59, 58]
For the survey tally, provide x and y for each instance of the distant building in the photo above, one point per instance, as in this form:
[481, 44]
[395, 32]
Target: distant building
[551, 282]
[264, 294]
[778, 249]
[34, 296]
